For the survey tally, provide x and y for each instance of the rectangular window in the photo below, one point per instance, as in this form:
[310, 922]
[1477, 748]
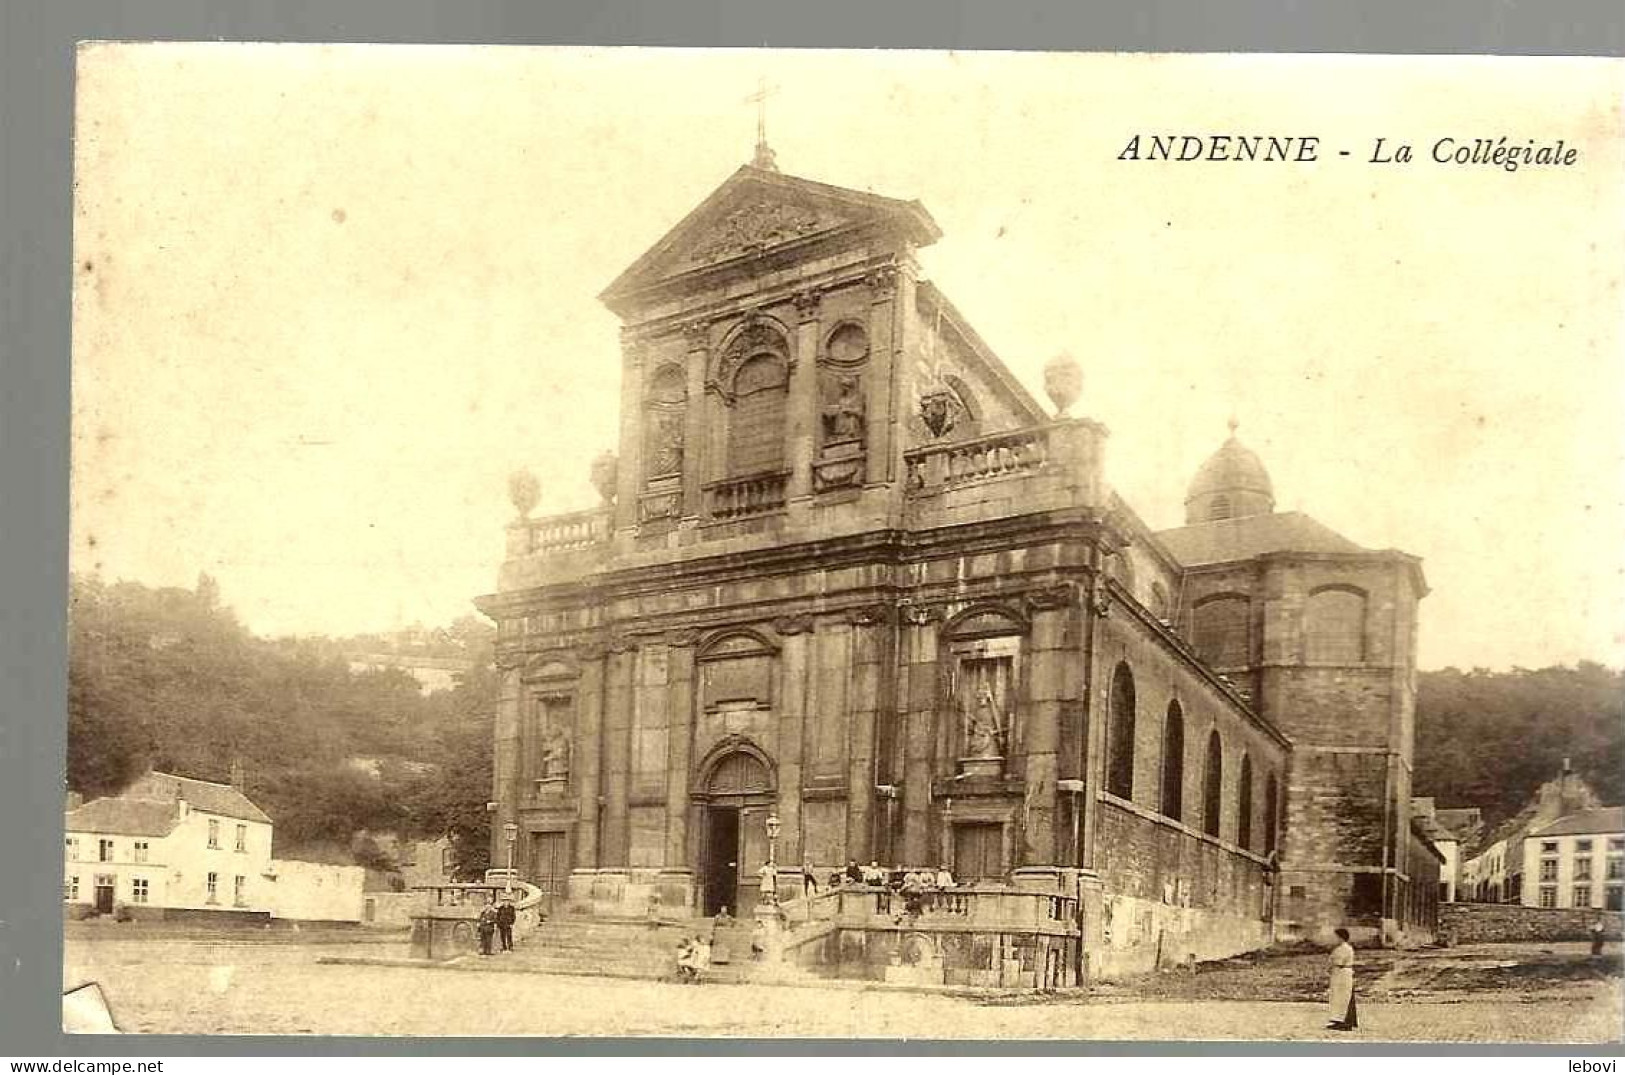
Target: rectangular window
[239, 891]
[70, 888]
[242, 837]
[1548, 847]
[213, 885]
[1614, 897]
[214, 833]
[1582, 847]
[1548, 895]
[1616, 844]
[138, 890]
[141, 850]
[1582, 869]
[1616, 868]
[104, 851]
[70, 847]
[1581, 896]
[1548, 869]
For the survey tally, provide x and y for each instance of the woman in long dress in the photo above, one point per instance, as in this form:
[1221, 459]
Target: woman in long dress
[1340, 997]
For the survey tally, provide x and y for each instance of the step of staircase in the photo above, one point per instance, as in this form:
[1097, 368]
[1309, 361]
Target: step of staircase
[629, 947]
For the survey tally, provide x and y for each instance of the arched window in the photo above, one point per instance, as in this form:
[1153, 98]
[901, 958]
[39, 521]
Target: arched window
[1213, 785]
[1334, 626]
[1173, 763]
[1244, 805]
[1219, 630]
[1272, 806]
[1120, 735]
[756, 428]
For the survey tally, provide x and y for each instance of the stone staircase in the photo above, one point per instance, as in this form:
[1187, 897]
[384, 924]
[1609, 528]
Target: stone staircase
[598, 946]
[601, 946]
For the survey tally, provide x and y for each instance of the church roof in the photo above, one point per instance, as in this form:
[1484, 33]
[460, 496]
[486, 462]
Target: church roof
[756, 210]
[1606, 819]
[1233, 468]
[1226, 540]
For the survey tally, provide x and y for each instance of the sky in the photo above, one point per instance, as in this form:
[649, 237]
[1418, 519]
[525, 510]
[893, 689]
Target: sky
[327, 298]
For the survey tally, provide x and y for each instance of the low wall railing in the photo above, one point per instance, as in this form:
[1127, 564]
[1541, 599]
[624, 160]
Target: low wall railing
[1001, 455]
[564, 533]
[739, 498]
[978, 907]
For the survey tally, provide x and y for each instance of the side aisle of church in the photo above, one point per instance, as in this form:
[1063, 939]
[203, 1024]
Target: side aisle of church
[848, 572]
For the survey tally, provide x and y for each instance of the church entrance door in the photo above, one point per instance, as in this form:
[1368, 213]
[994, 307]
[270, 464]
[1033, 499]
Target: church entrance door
[722, 859]
[737, 801]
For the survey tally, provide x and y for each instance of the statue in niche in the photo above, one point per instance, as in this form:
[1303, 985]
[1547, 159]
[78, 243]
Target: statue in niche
[666, 443]
[983, 728]
[556, 755]
[843, 409]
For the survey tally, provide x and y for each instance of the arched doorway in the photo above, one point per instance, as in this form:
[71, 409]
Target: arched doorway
[735, 799]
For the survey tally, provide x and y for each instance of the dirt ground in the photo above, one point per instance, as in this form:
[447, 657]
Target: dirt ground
[173, 983]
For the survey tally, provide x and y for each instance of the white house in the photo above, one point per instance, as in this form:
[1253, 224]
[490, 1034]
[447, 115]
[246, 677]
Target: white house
[1577, 861]
[169, 843]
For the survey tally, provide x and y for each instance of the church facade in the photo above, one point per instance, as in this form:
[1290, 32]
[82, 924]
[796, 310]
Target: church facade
[849, 573]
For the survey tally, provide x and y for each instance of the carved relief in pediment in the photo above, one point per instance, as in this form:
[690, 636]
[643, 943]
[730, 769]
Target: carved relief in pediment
[757, 226]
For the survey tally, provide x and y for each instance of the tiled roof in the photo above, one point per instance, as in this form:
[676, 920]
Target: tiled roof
[204, 795]
[1607, 819]
[119, 816]
[1252, 535]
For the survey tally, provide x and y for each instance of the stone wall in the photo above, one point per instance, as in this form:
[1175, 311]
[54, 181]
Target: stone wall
[1172, 896]
[1490, 923]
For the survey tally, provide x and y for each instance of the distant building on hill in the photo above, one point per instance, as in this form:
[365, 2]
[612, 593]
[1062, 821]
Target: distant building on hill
[432, 673]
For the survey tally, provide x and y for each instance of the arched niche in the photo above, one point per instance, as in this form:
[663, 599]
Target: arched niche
[984, 714]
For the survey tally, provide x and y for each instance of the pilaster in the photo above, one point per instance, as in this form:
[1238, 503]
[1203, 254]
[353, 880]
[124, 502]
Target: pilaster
[803, 402]
[696, 449]
[586, 771]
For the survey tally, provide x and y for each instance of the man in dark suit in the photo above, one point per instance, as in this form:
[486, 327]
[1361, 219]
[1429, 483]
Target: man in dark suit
[505, 919]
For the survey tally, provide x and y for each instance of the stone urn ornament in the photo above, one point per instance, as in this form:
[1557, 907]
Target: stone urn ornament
[603, 473]
[524, 491]
[1063, 382]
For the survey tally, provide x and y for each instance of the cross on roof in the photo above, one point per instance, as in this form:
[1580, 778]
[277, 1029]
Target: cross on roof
[764, 155]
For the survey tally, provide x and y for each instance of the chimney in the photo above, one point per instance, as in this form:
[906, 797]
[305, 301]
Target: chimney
[75, 800]
[237, 774]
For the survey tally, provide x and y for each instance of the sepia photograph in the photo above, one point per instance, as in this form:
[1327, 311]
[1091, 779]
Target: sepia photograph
[746, 543]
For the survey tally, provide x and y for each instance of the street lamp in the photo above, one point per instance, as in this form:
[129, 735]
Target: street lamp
[511, 831]
[770, 872]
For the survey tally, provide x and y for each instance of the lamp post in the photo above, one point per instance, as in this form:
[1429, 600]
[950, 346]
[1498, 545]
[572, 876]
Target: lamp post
[511, 831]
[771, 890]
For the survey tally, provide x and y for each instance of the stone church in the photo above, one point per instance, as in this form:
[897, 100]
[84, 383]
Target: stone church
[849, 573]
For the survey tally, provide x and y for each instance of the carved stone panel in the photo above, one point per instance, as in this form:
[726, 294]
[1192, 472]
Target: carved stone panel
[757, 227]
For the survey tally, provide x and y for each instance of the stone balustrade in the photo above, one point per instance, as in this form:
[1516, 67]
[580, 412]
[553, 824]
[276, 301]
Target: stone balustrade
[559, 533]
[960, 908]
[739, 498]
[1001, 455]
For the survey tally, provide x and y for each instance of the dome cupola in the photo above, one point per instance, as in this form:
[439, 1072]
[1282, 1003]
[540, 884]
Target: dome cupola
[1230, 485]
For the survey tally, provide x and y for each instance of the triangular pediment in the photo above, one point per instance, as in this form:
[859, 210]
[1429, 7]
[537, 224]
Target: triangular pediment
[758, 211]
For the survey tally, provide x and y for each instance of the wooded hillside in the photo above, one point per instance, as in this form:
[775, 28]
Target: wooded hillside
[1489, 739]
[168, 678]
